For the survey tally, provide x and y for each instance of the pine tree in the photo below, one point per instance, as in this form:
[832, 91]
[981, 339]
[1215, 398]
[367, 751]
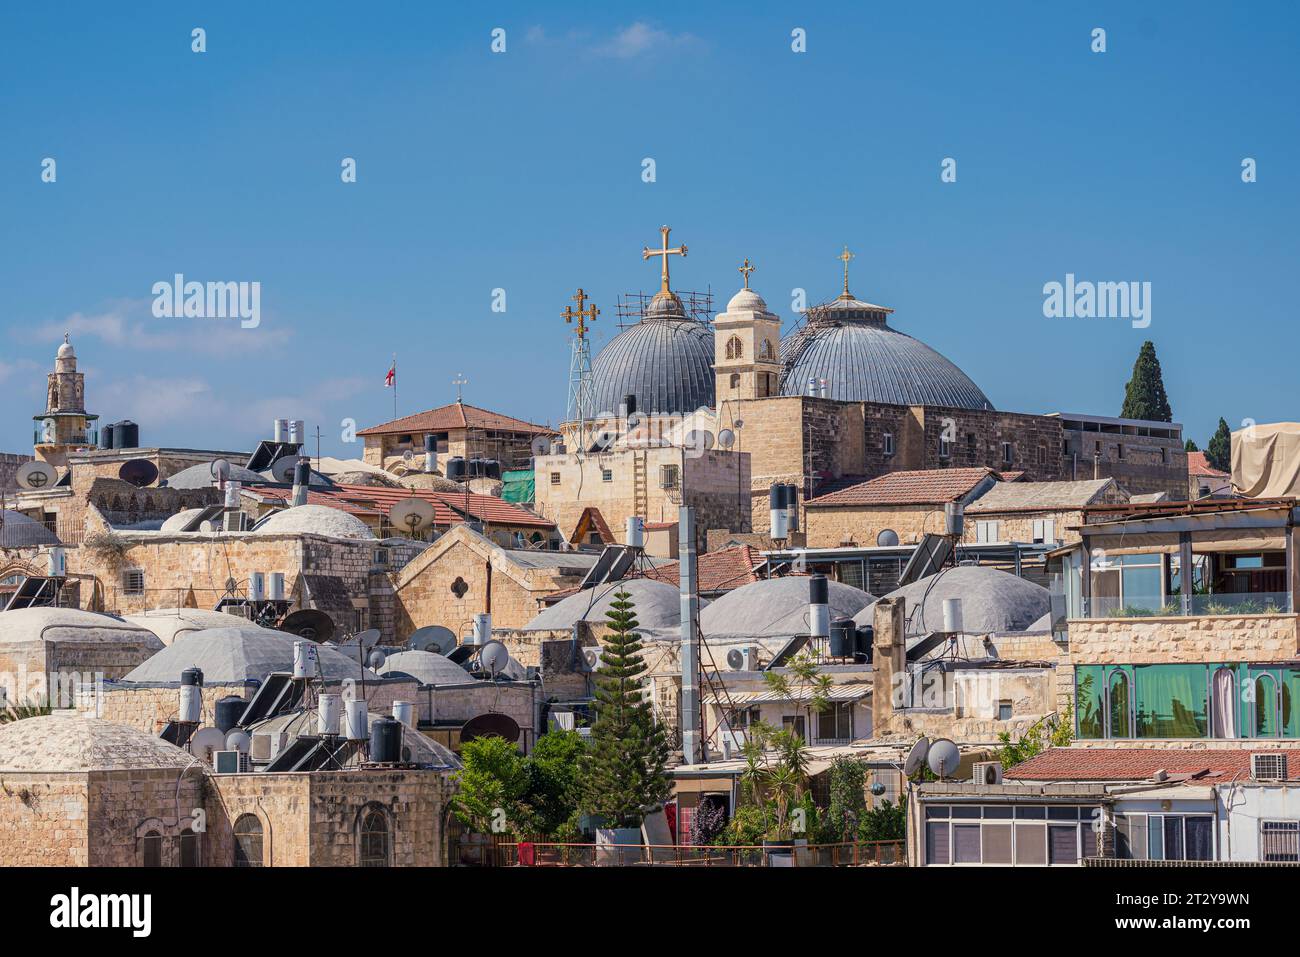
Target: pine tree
[1219, 452]
[623, 770]
[1190, 446]
[1144, 397]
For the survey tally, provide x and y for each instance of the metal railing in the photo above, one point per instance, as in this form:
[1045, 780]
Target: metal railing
[1223, 603]
[561, 854]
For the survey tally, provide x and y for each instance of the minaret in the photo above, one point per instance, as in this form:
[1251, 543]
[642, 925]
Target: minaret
[747, 347]
[65, 425]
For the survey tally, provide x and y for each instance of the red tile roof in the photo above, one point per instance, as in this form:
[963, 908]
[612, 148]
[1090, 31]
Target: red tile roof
[922, 487]
[449, 508]
[458, 415]
[723, 570]
[1211, 766]
[1197, 465]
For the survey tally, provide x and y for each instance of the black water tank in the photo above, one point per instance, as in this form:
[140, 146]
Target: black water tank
[430, 444]
[106, 436]
[629, 404]
[819, 590]
[474, 468]
[865, 642]
[456, 469]
[775, 496]
[229, 710]
[302, 472]
[792, 503]
[126, 435]
[492, 468]
[842, 644]
[386, 741]
[192, 676]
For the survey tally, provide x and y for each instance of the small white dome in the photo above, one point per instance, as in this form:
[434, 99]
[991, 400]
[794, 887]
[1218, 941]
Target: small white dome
[746, 301]
[66, 351]
[315, 520]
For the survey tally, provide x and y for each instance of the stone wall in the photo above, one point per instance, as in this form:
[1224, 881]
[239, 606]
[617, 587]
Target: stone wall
[830, 526]
[43, 820]
[125, 805]
[10, 463]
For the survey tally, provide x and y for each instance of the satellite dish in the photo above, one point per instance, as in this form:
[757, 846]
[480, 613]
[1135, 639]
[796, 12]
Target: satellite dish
[738, 424]
[367, 639]
[493, 658]
[237, 740]
[726, 438]
[282, 468]
[219, 469]
[887, 537]
[492, 723]
[36, 475]
[916, 757]
[541, 445]
[944, 758]
[699, 439]
[592, 657]
[310, 624]
[735, 659]
[207, 526]
[205, 741]
[138, 472]
[433, 638]
[377, 659]
[408, 456]
[412, 514]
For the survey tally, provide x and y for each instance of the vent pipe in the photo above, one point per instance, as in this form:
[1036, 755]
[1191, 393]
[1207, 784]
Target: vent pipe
[301, 481]
[819, 611]
[688, 575]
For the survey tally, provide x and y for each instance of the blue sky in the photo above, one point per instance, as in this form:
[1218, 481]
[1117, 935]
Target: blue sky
[522, 171]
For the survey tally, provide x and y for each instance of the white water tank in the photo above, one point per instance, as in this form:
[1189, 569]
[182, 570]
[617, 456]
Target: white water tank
[191, 707]
[404, 712]
[276, 592]
[327, 713]
[58, 559]
[304, 659]
[280, 429]
[256, 586]
[635, 532]
[357, 721]
[482, 630]
[952, 615]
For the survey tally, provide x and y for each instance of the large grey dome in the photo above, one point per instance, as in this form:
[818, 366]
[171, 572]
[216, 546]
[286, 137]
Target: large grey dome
[849, 344]
[775, 608]
[21, 531]
[992, 601]
[200, 476]
[658, 605]
[665, 360]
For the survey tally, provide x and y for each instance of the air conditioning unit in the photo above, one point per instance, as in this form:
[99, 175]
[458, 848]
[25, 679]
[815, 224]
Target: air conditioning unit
[743, 659]
[987, 772]
[1268, 767]
[266, 746]
[230, 762]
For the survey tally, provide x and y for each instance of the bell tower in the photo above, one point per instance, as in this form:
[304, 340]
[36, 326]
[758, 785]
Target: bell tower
[747, 347]
[64, 425]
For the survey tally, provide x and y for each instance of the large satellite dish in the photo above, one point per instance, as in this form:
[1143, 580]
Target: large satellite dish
[36, 475]
[238, 740]
[219, 469]
[366, 639]
[541, 445]
[205, 741]
[726, 438]
[138, 472]
[433, 638]
[310, 624]
[887, 537]
[376, 659]
[282, 468]
[412, 514]
[491, 723]
[494, 657]
[944, 758]
[916, 757]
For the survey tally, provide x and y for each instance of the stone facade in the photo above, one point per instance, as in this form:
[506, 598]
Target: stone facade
[1143, 457]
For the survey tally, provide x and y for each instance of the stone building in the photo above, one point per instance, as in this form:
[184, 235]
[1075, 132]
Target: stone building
[1048, 512]
[457, 430]
[1142, 456]
[65, 425]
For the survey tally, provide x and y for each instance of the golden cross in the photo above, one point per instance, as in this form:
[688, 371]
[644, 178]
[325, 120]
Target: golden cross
[665, 252]
[582, 315]
[745, 270]
[845, 257]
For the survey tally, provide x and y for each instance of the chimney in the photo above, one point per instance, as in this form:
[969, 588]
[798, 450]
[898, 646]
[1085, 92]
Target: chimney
[889, 662]
[301, 481]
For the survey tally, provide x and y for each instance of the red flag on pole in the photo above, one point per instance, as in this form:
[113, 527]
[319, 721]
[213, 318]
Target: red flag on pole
[391, 378]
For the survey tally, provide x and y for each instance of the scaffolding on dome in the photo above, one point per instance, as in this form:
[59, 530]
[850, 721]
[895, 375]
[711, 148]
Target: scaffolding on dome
[631, 306]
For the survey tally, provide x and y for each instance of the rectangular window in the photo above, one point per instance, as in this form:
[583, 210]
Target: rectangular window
[668, 476]
[1008, 455]
[1119, 450]
[887, 443]
[997, 843]
[936, 842]
[945, 448]
[836, 722]
[133, 581]
[1044, 530]
[795, 723]
[987, 531]
[1279, 841]
[606, 475]
[555, 478]
[965, 843]
[1063, 844]
[1004, 710]
[1031, 844]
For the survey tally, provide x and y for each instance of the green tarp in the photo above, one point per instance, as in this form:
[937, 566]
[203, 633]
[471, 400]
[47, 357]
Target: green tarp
[517, 486]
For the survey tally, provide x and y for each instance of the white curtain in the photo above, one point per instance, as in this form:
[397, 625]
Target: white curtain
[1224, 702]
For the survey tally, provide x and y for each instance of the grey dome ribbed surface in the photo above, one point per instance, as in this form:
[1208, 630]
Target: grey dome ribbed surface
[863, 359]
[666, 363]
[200, 476]
[235, 655]
[658, 605]
[775, 608]
[426, 667]
[992, 601]
[21, 531]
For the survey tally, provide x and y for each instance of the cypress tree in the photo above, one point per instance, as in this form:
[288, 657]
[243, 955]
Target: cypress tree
[1144, 397]
[1190, 446]
[1219, 452]
[623, 770]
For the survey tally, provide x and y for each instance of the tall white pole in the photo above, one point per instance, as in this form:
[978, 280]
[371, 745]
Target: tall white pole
[692, 749]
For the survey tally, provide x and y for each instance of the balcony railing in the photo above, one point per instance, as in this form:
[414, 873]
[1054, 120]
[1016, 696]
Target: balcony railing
[1225, 603]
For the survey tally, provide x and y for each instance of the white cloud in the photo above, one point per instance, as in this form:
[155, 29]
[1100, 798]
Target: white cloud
[130, 322]
[641, 38]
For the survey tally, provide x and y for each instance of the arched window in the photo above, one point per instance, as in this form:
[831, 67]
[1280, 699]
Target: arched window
[151, 848]
[735, 380]
[189, 842]
[769, 351]
[1119, 706]
[735, 349]
[374, 839]
[1265, 707]
[248, 841]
